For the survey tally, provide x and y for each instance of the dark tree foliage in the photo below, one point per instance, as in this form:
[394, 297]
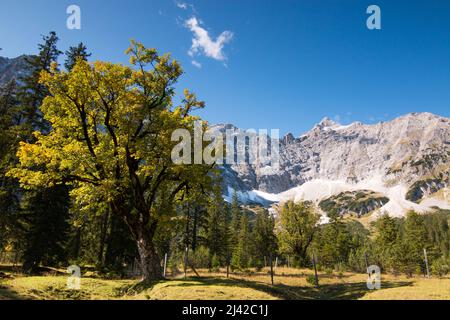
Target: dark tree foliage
[263, 237]
[46, 210]
[10, 227]
[120, 248]
[32, 92]
[74, 54]
[47, 219]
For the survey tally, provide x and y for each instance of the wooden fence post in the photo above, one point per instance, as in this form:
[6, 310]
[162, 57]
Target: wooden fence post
[185, 261]
[426, 262]
[165, 265]
[367, 262]
[271, 268]
[228, 264]
[315, 270]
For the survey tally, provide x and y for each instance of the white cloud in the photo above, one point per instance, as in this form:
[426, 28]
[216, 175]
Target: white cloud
[202, 42]
[196, 64]
[182, 5]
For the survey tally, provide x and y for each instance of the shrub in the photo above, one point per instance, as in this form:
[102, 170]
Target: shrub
[215, 264]
[441, 267]
[311, 279]
[329, 271]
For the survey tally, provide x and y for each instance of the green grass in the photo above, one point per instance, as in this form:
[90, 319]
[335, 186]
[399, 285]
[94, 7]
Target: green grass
[290, 284]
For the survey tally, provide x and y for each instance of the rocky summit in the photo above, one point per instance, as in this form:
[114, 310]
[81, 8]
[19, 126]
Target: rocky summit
[405, 161]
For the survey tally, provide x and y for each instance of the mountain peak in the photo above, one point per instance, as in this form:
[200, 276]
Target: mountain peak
[326, 123]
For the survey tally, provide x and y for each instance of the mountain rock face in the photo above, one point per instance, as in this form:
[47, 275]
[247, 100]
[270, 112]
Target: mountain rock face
[12, 69]
[410, 151]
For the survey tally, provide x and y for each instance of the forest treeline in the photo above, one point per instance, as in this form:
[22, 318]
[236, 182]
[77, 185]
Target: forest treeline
[87, 179]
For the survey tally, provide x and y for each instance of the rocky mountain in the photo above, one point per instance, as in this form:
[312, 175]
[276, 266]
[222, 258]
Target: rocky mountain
[12, 68]
[405, 160]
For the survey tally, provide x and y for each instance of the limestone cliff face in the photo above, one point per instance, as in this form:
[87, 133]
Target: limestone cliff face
[402, 151]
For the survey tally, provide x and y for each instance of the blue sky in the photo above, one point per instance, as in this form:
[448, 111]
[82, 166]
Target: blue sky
[268, 64]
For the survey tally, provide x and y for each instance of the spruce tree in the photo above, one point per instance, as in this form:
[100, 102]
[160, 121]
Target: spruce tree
[46, 237]
[32, 91]
[74, 54]
[241, 252]
[236, 215]
[263, 237]
[216, 230]
[10, 228]
[415, 240]
[388, 242]
[47, 209]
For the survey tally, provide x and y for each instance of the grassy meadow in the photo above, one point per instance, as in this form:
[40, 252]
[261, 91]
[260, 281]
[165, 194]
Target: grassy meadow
[289, 284]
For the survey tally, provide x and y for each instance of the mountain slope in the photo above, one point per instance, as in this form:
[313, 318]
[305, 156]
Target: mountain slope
[406, 156]
[12, 68]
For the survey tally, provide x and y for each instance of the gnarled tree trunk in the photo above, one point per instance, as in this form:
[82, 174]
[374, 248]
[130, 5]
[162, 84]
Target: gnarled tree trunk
[149, 259]
[150, 263]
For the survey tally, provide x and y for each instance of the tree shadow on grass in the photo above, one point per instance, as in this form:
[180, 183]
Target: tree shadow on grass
[7, 293]
[353, 291]
[346, 291]
[136, 288]
[10, 268]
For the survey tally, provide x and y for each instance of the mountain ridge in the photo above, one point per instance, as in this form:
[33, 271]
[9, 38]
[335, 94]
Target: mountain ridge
[398, 154]
[12, 68]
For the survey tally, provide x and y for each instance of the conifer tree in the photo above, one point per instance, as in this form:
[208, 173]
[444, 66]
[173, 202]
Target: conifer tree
[74, 54]
[10, 230]
[415, 240]
[263, 237]
[236, 215]
[46, 208]
[388, 242]
[33, 92]
[241, 252]
[216, 230]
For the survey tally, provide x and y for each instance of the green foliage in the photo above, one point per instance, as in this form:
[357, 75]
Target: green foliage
[215, 263]
[241, 254]
[74, 54]
[441, 266]
[33, 92]
[120, 247]
[201, 257]
[47, 214]
[414, 241]
[236, 215]
[438, 233]
[10, 228]
[311, 279]
[110, 140]
[388, 242]
[45, 210]
[337, 243]
[298, 226]
[217, 233]
[263, 237]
